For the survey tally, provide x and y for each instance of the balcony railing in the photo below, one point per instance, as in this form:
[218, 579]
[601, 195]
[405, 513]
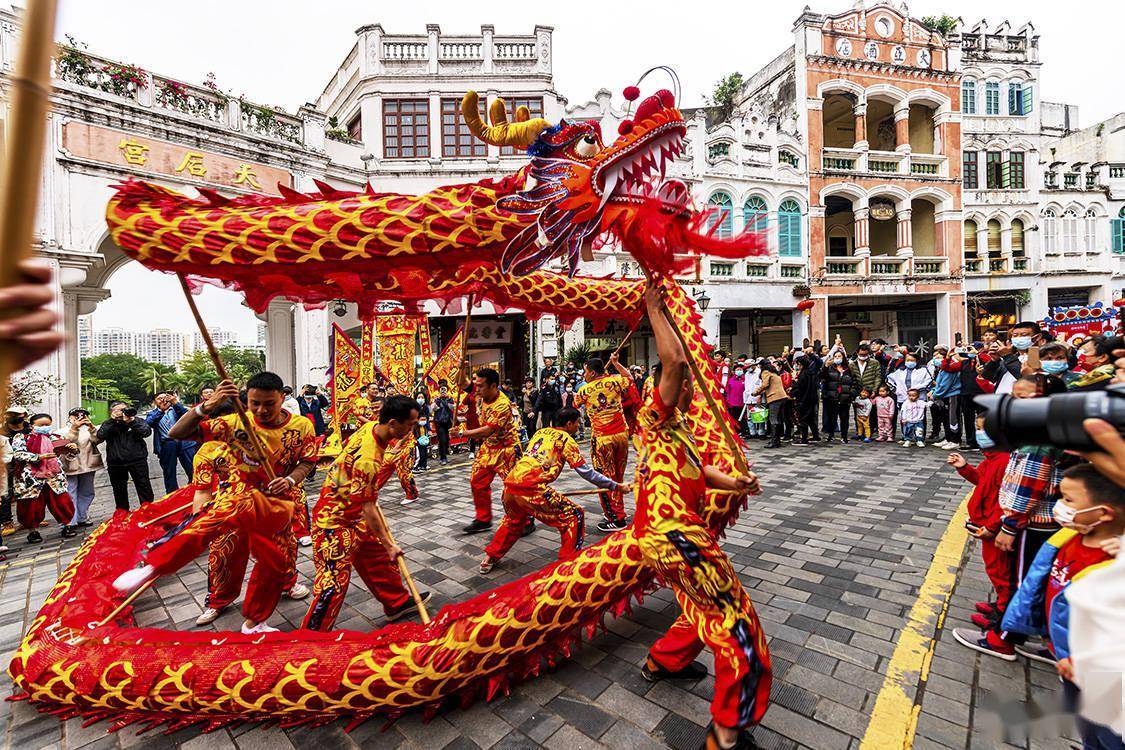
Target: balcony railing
[841, 159]
[412, 50]
[843, 266]
[927, 164]
[886, 162]
[80, 68]
[457, 50]
[973, 265]
[1021, 264]
[930, 266]
[792, 272]
[888, 266]
[997, 265]
[757, 270]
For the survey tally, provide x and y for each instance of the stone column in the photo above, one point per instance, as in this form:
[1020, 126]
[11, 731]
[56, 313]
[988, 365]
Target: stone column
[433, 34]
[862, 221]
[860, 126]
[311, 331]
[280, 344]
[487, 32]
[902, 128]
[435, 127]
[710, 323]
[370, 49]
[313, 124]
[905, 238]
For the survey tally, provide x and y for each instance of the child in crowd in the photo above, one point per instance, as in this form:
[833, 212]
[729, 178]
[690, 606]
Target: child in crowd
[984, 522]
[862, 406]
[912, 417]
[884, 414]
[1092, 512]
[1027, 498]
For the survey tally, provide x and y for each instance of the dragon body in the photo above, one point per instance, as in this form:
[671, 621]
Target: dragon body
[489, 238]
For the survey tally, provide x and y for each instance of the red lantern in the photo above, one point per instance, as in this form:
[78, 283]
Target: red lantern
[1119, 302]
[631, 93]
[805, 305]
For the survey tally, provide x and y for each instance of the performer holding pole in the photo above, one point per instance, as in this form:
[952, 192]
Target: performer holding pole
[676, 545]
[274, 456]
[604, 397]
[528, 494]
[499, 447]
[349, 528]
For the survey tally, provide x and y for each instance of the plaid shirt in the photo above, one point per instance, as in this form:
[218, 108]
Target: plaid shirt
[1030, 487]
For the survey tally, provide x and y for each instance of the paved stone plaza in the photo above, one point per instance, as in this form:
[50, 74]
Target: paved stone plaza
[834, 554]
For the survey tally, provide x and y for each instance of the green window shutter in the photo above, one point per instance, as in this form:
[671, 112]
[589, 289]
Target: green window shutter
[1014, 99]
[1118, 226]
[1006, 174]
[1028, 101]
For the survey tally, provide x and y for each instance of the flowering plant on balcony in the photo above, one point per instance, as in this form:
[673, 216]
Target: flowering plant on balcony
[122, 79]
[172, 94]
[72, 64]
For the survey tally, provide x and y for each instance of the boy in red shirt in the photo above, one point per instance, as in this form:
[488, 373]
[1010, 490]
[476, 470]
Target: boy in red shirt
[984, 521]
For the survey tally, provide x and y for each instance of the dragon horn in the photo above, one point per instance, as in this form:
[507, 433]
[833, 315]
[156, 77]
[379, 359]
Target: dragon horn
[500, 132]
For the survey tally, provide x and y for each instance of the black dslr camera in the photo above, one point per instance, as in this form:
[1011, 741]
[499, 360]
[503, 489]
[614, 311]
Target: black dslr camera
[129, 411]
[1054, 420]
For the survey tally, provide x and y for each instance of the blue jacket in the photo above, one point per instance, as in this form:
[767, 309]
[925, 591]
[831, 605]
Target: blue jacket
[155, 416]
[946, 384]
[314, 411]
[1027, 612]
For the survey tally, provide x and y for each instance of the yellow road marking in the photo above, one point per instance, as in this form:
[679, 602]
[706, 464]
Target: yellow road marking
[894, 719]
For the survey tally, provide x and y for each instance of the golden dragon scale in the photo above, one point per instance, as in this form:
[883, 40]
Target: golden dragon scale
[473, 649]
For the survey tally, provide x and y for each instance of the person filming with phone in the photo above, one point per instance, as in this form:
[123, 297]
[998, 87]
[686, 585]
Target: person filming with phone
[126, 453]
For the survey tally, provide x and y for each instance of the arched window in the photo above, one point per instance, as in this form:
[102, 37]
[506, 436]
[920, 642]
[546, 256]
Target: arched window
[755, 215]
[993, 238]
[969, 96]
[970, 242]
[789, 229]
[722, 214]
[1091, 231]
[1070, 231]
[1050, 232]
[1017, 238]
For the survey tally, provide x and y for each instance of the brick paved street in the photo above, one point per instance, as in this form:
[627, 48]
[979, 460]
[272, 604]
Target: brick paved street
[833, 553]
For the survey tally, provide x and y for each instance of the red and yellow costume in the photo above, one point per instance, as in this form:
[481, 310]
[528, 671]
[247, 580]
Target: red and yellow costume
[362, 410]
[527, 494]
[241, 508]
[497, 453]
[676, 545]
[341, 537]
[603, 398]
[402, 456]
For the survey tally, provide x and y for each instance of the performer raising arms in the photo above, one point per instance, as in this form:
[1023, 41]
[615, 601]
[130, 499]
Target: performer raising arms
[346, 525]
[527, 493]
[603, 396]
[255, 507]
[676, 544]
[499, 444]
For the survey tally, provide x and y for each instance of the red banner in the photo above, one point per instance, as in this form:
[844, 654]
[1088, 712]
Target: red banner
[446, 365]
[395, 337]
[425, 347]
[347, 376]
[367, 352]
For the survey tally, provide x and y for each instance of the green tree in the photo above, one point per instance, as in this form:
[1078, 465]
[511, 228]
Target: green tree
[131, 375]
[98, 389]
[942, 24]
[725, 95]
[198, 372]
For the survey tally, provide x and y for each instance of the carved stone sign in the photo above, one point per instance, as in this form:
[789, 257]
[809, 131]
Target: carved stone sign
[161, 157]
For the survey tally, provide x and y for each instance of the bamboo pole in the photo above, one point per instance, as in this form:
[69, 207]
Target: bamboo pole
[151, 521]
[23, 160]
[128, 600]
[260, 454]
[409, 579]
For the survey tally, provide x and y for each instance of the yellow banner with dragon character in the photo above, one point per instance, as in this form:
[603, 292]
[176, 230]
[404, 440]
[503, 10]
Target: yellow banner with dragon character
[395, 337]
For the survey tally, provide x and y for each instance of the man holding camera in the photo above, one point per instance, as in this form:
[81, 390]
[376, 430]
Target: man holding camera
[169, 450]
[126, 453]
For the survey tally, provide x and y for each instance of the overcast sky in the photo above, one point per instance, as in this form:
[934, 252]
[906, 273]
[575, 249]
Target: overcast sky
[283, 51]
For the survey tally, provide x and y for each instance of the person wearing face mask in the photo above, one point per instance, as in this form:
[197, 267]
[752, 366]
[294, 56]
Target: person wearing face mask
[909, 377]
[40, 483]
[312, 405]
[1092, 512]
[1007, 363]
[735, 396]
[984, 522]
[1096, 356]
[947, 402]
[963, 365]
[15, 423]
[753, 404]
[838, 389]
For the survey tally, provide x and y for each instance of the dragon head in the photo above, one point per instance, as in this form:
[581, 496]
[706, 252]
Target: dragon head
[578, 187]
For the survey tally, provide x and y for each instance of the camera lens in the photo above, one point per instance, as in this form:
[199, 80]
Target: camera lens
[129, 411]
[1056, 420]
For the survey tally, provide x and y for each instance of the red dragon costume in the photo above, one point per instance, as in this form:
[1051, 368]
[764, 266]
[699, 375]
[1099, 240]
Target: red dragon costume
[489, 238]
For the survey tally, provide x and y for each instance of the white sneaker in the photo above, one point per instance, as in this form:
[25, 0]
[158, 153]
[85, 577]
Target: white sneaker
[305, 541]
[261, 627]
[920, 444]
[131, 580]
[904, 443]
[298, 591]
[408, 501]
[208, 616]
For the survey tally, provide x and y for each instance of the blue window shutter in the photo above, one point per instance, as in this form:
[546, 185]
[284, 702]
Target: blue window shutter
[1014, 102]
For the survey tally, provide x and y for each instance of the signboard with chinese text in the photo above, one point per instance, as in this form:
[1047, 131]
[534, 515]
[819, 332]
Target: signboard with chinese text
[490, 332]
[117, 147]
[1076, 322]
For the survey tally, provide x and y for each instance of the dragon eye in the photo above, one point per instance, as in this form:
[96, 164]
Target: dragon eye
[586, 146]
